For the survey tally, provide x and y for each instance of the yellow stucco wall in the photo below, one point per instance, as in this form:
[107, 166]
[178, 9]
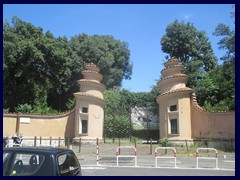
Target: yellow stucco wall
[184, 117]
[193, 122]
[90, 90]
[95, 117]
[45, 126]
[9, 125]
[163, 123]
[96, 122]
[213, 125]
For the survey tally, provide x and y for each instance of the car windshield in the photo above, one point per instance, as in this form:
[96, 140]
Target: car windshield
[67, 164]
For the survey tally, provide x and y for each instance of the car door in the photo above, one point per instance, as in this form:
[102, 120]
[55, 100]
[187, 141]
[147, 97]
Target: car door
[68, 164]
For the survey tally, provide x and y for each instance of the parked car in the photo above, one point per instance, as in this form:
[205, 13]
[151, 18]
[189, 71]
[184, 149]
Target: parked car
[40, 161]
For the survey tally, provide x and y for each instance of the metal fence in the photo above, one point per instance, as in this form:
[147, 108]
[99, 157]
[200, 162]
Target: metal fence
[144, 146]
[105, 151]
[146, 134]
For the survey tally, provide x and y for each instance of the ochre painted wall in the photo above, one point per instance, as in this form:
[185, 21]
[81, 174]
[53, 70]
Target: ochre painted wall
[96, 122]
[193, 121]
[9, 125]
[184, 117]
[40, 125]
[212, 125]
[203, 124]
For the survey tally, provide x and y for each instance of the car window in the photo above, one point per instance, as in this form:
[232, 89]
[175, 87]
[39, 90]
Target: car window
[6, 157]
[68, 164]
[26, 164]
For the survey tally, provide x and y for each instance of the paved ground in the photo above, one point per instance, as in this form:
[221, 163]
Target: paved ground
[185, 166]
[139, 171]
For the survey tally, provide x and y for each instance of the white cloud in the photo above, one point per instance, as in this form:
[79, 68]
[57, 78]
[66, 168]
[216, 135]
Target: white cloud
[187, 16]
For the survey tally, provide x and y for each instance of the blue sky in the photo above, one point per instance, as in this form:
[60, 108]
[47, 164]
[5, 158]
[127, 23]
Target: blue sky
[140, 25]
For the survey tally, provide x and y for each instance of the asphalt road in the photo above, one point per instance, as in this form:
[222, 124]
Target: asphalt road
[143, 171]
[185, 166]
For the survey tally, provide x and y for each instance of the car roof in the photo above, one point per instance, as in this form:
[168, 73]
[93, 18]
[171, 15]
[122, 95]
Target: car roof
[37, 149]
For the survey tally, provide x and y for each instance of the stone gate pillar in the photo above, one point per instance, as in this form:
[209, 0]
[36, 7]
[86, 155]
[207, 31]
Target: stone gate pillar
[89, 114]
[174, 102]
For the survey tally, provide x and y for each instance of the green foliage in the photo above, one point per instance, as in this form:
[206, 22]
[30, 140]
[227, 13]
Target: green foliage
[216, 89]
[226, 80]
[42, 70]
[220, 106]
[5, 110]
[23, 108]
[191, 47]
[117, 125]
[164, 142]
[206, 89]
[70, 103]
[34, 64]
[118, 108]
[195, 146]
[215, 92]
[45, 110]
[111, 56]
[117, 113]
[121, 101]
[214, 84]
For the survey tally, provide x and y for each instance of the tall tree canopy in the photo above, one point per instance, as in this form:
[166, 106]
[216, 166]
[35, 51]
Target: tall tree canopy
[216, 89]
[213, 83]
[191, 47]
[42, 71]
[34, 64]
[111, 55]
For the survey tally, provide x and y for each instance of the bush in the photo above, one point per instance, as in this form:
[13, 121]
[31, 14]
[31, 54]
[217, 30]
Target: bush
[164, 142]
[44, 110]
[6, 110]
[23, 108]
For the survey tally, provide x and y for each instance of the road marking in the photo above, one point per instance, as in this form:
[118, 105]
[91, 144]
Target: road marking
[176, 162]
[92, 167]
[230, 161]
[184, 168]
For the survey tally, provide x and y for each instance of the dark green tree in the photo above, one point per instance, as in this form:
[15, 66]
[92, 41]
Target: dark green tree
[42, 71]
[112, 56]
[116, 116]
[191, 47]
[226, 80]
[227, 43]
[216, 88]
[34, 65]
[20, 58]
